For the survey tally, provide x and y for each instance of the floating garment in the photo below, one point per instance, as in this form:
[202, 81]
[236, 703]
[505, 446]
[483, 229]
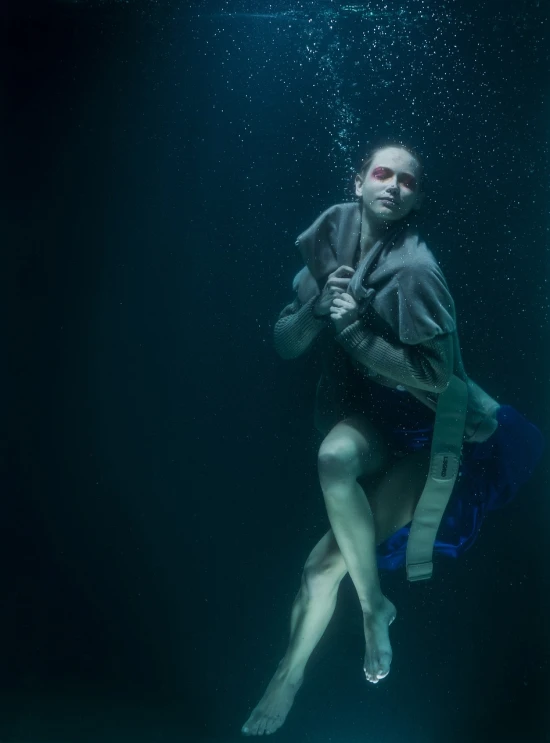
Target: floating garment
[491, 474]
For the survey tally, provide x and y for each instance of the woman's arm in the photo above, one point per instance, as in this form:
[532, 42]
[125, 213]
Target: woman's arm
[426, 366]
[299, 324]
[297, 328]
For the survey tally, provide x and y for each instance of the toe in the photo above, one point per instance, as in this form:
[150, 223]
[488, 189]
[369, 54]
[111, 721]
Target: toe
[245, 730]
[251, 726]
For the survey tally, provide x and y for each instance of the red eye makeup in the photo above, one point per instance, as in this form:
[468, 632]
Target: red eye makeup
[381, 174]
[408, 181]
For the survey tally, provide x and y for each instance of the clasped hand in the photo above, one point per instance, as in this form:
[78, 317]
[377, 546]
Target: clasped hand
[335, 300]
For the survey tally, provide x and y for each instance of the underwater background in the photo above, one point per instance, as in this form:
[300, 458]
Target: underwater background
[160, 493]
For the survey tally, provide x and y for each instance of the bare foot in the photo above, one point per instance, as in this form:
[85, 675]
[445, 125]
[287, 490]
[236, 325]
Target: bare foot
[273, 707]
[378, 653]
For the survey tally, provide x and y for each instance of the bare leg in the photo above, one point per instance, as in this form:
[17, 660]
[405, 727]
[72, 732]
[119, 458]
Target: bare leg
[351, 450]
[311, 613]
[393, 501]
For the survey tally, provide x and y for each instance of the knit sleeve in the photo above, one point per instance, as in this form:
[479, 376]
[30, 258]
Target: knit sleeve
[426, 366]
[297, 328]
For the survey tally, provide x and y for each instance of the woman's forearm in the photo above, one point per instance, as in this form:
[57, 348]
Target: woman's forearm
[296, 329]
[427, 366]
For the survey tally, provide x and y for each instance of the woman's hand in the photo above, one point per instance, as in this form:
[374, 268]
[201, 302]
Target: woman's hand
[344, 311]
[336, 285]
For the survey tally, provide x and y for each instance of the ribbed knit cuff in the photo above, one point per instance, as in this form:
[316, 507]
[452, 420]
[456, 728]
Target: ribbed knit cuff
[294, 333]
[310, 323]
[353, 335]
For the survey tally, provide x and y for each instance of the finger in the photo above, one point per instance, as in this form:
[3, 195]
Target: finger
[338, 283]
[343, 271]
[343, 303]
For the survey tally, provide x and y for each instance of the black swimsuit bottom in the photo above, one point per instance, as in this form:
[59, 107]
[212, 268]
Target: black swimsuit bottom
[406, 423]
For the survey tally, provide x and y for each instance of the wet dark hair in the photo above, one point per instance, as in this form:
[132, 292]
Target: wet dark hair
[384, 145]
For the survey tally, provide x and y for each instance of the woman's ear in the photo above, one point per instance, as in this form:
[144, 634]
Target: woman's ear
[358, 185]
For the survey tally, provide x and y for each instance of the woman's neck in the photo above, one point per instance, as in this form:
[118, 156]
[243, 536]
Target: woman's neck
[371, 232]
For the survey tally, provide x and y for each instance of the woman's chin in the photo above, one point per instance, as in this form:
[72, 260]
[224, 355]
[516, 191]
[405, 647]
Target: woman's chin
[384, 214]
[387, 216]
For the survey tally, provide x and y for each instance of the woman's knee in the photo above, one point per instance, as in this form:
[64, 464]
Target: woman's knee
[353, 448]
[339, 458]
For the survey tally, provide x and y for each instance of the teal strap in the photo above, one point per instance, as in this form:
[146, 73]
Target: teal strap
[450, 419]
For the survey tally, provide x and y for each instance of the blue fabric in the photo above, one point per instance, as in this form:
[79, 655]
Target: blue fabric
[490, 475]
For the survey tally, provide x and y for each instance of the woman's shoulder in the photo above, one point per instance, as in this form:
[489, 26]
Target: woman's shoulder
[331, 240]
[414, 257]
[331, 216]
[343, 209]
[411, 275]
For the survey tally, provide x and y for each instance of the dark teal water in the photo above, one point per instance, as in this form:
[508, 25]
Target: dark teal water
[160, 492]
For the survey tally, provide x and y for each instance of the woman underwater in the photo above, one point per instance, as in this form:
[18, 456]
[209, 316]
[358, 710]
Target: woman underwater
[373, 298]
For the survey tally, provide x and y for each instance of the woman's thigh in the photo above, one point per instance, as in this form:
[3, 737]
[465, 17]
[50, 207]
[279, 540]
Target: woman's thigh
[394, 495]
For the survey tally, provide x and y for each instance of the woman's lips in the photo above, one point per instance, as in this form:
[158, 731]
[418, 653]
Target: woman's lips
[388, 202]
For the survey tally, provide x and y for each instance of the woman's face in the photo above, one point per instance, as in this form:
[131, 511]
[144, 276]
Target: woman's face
[390, 189]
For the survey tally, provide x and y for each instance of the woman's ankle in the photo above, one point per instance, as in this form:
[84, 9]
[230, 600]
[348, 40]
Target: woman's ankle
[373, 604]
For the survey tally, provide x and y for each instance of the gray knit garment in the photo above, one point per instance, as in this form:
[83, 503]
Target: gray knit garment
[408, 334]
